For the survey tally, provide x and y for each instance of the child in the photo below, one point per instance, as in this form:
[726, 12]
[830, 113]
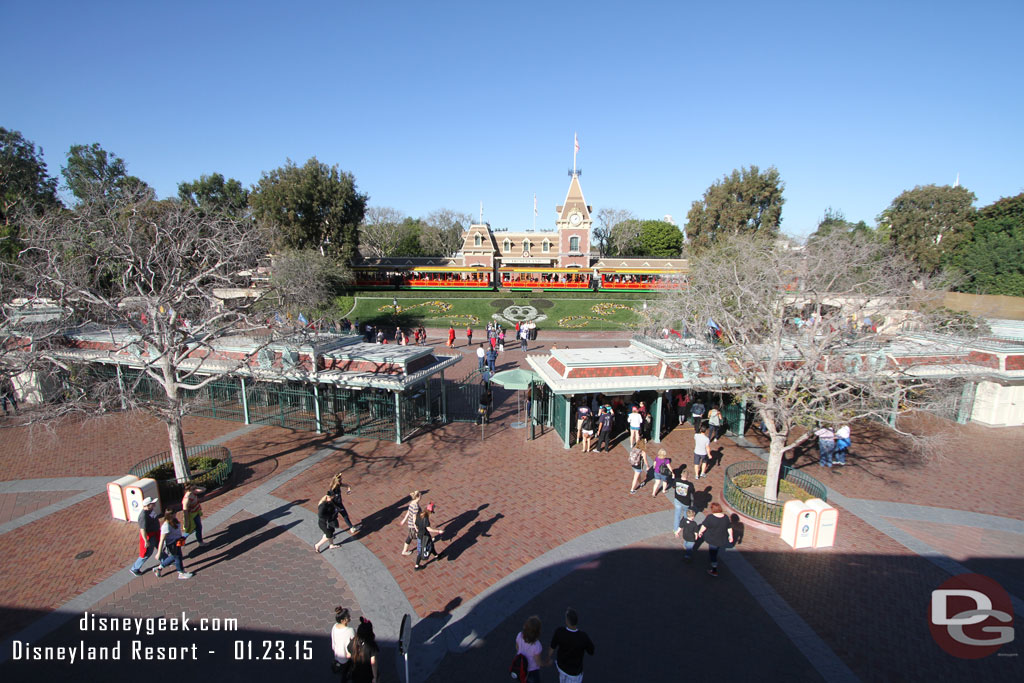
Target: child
[688, 528]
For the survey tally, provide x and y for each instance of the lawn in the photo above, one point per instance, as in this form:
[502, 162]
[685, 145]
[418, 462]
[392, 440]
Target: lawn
[584, 312]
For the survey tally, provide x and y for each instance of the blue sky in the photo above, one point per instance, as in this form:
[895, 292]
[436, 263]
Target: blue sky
[448, 104]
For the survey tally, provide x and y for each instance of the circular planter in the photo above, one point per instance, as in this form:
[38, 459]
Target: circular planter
[739, 476]
[210, 467]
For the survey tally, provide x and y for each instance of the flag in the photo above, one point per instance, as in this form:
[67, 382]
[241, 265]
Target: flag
[302, 319]
[576, 140]
[535, 204]
[712, 324]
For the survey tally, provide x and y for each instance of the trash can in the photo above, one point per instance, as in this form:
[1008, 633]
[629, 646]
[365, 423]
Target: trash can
[799, 524]
[825, 533]
[119, 498]
[135, 493]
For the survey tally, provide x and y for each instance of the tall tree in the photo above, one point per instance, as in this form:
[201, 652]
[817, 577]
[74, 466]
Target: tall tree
[601, 234]
[746, 202]
[381, 230]
[659, 239]
[834, 224]
[750, 288]
[929, 222]
[442, 232]
[25, 186]
[991, 260]
[143, 274]
[313, 206]
[213, 194]
[92, 174]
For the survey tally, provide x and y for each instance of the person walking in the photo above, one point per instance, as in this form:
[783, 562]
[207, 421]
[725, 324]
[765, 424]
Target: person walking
[409, 520]
[7, 393]
[335, 493]
[362, 652]
[688, 529]
[682, 498]
[635, 421]
[640, 464]
[528, 645]
[492, 358]
[826, 446]
[423, 335]
[171, 541]
[697, 413]
[481, 357]
[568, 645]
[192, 511]
[717, 531]
[341, 635]
[424, 538]
[327, 520]
[715, 423]
[701, 447]
[842, 444]
[501, 339]
[451, 337]
[469, 335]
[149, 535]
[582, 411]
[523, 338]
[604, 428]
[589, 425]
[662, 471]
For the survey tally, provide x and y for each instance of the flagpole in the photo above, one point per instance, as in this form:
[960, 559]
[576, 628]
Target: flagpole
[575, 149]
[535, 212]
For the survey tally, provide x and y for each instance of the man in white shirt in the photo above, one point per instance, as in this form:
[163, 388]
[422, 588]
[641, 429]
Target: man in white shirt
[481, 356]
[701, 443]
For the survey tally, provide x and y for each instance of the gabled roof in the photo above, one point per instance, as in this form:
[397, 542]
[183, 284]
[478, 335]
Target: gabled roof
[574, 201]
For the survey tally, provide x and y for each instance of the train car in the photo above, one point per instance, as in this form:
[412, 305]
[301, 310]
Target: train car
[548, 279]
[423, 277]
[450, 277]
[638, 279]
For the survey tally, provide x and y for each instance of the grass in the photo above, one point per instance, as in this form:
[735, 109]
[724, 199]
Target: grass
[594, 312]
[787, 490]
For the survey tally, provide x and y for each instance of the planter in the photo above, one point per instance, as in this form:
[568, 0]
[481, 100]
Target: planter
[210, 467]
[743, 495]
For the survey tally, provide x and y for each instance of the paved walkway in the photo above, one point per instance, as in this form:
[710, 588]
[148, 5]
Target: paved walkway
[530, 528]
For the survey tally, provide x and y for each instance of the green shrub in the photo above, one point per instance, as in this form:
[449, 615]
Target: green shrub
[747, 481]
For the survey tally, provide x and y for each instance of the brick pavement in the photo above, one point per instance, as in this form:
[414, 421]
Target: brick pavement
[508, 502]
[14, 505]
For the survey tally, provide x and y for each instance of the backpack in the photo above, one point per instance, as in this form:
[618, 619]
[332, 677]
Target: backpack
[636, 457]
[588, 423]
[519, 668]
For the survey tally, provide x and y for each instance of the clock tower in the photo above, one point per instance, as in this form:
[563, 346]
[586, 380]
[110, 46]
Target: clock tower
[573, 226]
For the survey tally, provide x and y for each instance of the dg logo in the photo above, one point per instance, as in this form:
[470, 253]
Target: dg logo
[971, 616]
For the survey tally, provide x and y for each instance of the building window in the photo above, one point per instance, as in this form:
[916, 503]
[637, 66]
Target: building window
[547, 246]
[506, 246]
[526, 245]
[574, 243]
[476, 241]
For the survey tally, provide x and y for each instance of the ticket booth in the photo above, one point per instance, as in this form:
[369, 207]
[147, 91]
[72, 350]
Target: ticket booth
[118, 497]
[825, 533]
[799, 524]
[135, 493]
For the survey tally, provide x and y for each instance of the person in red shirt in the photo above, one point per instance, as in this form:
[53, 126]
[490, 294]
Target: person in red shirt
[451, 337]
[469, 335]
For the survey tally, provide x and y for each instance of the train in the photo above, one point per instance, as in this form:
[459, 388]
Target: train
[517, 278]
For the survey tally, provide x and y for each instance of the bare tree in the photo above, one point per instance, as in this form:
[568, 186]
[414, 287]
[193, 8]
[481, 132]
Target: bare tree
[800, 335]
[381, 230]
[306, 281]
[442, 235]
[608, 218]
[141, 275]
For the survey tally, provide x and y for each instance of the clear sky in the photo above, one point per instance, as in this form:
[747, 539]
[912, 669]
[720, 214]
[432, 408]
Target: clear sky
[447, 104]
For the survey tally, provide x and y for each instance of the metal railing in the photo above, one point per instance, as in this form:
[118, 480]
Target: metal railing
[756, 507]
[173, 488]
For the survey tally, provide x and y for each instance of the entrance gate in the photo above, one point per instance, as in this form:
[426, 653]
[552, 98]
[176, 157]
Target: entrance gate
[464, 397]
